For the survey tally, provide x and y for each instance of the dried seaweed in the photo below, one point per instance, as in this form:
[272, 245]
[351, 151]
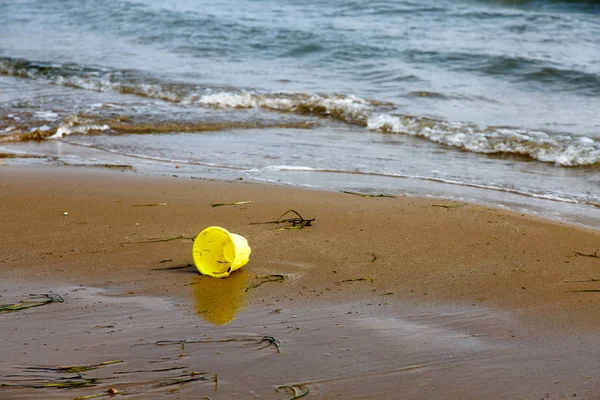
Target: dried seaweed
[449, 205]
[70, 383]
[94, 396]
[175, 267]
[178, 381]
[593, 255]
[585, 280]
[115, 166]
[150, 205]
[297, 391]
[266, 278]
[73, 368]
[373, 257]
[235, 203]
[369, 195]
[587, 291]
[109, 392]
[79, 381]
[366, 278]
[297, 222]
[15, 155]
[157, 240]
[35, 300]
[150, 370]
[271, 341]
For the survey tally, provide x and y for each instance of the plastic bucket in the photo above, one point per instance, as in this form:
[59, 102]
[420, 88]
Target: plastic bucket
[217, 252]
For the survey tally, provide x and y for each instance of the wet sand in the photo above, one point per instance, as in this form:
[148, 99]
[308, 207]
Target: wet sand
[382, 297]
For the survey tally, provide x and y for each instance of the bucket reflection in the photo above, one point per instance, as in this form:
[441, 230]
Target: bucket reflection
[219, 300]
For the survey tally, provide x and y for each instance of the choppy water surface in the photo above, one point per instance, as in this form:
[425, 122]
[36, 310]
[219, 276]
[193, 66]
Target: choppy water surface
[489, 101]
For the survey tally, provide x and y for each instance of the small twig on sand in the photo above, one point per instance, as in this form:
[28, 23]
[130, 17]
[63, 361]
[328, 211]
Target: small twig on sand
[175, 267]
[594, 255]
[266, 278]
[149, 205]
[356, 280]
[587, 291]
[369, 195]
[449, 205]
[586, 280]
[235, 203]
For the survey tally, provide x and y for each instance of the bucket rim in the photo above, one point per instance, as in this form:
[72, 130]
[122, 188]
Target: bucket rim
[222, 230]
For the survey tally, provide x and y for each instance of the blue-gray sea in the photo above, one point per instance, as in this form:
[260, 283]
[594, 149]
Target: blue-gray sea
[495, 102]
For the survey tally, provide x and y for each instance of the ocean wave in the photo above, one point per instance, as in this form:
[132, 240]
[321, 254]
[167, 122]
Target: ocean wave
[561, 150]
[591, 6]
[97, 79]
[525, 70]
[48, 125]
[350, 109]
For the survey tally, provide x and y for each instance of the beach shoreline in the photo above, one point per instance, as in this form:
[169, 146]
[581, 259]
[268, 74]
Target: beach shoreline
[464, 300]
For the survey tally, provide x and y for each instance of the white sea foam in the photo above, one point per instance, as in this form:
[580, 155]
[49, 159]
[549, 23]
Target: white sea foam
[348, 108]
[287, 168]
[562, 150]
[72, 124]
[46, 115]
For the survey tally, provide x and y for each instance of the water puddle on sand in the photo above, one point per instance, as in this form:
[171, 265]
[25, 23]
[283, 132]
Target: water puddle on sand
[153, 346]
[219, 300]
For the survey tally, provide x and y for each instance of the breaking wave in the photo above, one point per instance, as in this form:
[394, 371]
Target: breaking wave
[562, 150]
[18, 128]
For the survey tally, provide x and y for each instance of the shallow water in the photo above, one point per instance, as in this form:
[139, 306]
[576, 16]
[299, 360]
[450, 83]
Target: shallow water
[487, 101]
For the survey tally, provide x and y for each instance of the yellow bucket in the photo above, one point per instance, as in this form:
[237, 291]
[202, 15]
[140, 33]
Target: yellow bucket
[217, 252]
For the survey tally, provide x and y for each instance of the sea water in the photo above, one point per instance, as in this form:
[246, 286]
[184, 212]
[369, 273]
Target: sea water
[490, 101]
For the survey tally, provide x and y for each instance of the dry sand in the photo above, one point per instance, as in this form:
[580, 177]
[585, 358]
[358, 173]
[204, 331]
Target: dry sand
[465, 302]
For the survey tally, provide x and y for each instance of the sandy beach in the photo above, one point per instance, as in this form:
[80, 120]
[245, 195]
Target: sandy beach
[399, 298]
